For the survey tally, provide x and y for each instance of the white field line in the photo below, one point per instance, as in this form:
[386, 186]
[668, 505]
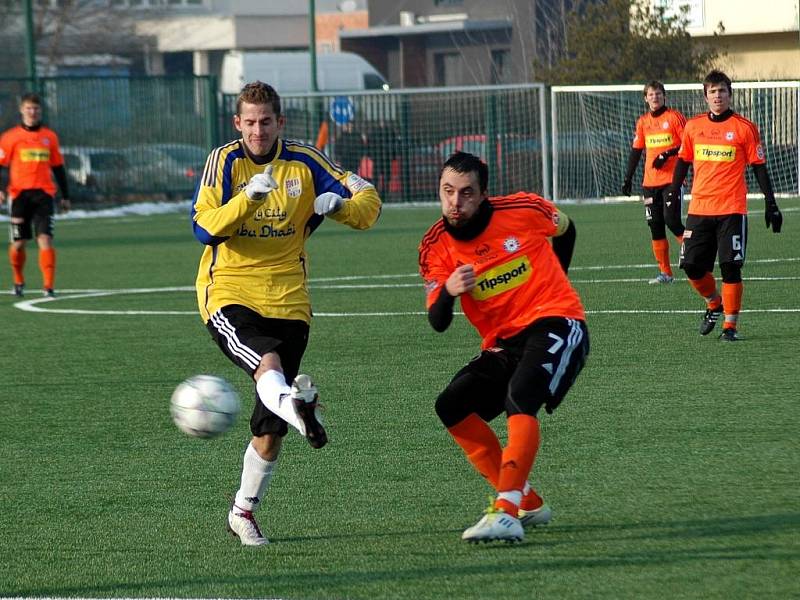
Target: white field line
[45, 305]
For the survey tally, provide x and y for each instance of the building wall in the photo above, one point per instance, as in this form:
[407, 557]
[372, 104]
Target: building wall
[760, 57]
[328, 26]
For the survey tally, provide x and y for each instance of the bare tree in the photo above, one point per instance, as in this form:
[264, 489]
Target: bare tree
[65, 28]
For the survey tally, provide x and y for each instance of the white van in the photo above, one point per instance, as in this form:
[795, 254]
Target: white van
[290, 72]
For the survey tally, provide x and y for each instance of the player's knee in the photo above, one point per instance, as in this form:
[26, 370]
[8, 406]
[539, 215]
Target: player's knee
[693, 272]
[451, 408]
[731, 272]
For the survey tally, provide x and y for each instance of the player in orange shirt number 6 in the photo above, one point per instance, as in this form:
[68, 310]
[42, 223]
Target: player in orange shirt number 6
[719, 145]
[30, 151]
[495, 255]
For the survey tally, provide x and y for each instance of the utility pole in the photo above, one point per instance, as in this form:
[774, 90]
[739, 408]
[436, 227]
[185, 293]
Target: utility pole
[312, 42]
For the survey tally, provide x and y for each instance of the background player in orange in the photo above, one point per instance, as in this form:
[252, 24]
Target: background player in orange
[719, 145]
[30, 151]
[658, 132]
[494, 254]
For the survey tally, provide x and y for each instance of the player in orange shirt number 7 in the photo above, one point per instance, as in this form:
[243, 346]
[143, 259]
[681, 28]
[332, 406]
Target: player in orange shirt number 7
[495, 255]
[31, 151]
[719, 145]
[658, 134]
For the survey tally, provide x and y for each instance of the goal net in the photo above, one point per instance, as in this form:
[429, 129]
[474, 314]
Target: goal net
[593, 127]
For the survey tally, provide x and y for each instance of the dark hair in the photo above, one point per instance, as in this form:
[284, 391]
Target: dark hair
[31, 98]
[716, 77]
[259, 92]
[654, 85]
[464, 162]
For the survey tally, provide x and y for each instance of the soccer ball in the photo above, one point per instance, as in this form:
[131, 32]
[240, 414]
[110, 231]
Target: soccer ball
[204, 406]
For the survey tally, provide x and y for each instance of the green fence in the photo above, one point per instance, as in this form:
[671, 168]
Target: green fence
[147, 138]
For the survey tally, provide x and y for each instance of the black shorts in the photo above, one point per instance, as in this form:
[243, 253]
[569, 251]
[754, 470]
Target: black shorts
[707, 238]
[244, 337]
[534, 368]
[36, 209]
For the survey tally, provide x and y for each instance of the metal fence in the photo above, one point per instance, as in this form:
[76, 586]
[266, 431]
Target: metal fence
[134, 138]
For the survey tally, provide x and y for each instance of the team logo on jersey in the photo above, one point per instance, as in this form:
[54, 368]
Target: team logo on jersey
[665, 125]
[293, 187]
[714, 153]
[502, 278]
[511, 244]
[729, 136]
[657, 140]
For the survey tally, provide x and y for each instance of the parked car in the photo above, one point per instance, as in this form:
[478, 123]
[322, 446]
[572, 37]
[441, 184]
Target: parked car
[93, 171]
[171, 169]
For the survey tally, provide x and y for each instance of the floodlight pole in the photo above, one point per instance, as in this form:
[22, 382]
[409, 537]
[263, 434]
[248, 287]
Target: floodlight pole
[30, 42]
[312, 42]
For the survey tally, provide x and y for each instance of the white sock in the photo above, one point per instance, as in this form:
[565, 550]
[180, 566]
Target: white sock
[275, 394]
[256, 473]
[515, 497]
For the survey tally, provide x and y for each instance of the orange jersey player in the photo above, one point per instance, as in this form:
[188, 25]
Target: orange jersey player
[495, 255]
[658, 134]
[719, 145]
[31, 151]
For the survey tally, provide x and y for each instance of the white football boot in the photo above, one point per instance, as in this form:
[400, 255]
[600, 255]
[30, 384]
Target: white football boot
[306, 402]
[242, 524]
[495, 525]
[539, 516]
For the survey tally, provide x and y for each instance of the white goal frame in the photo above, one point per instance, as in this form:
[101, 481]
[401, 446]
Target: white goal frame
[557, 93]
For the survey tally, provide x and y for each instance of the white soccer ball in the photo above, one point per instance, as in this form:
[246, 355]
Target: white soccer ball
[204, 406]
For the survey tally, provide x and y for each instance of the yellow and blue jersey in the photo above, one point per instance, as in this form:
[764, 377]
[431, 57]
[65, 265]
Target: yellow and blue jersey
[255, 251]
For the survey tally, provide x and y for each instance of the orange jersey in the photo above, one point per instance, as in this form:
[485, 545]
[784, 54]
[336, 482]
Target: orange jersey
[720, 152]
[30, 156]
[519, 278]
[656, 135]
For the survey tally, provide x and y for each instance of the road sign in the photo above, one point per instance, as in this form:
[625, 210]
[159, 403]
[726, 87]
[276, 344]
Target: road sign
[342, 110]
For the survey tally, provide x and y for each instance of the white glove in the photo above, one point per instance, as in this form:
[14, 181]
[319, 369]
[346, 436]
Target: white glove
[261, 185]
[328, 203]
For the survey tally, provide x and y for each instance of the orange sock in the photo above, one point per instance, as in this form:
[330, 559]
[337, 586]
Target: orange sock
[47, 265]
[480, 444]
[661, 252]
[518, 458]
[531, 500]
[732, 300]
[17, 260]
[707, 288]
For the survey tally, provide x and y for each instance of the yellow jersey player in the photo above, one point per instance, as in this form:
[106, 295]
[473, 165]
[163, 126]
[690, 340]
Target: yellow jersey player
[260, 198]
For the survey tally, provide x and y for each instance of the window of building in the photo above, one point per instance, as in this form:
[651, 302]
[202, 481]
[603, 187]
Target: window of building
[499, 68]
[448, 2]
[447, 69]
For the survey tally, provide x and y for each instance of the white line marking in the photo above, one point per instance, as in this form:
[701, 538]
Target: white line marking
[44, 305]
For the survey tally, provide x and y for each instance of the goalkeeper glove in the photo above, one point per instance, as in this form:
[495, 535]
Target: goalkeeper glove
[772, 216]
[260, 185]
[627, 187]
[328, 203]
[659, 160]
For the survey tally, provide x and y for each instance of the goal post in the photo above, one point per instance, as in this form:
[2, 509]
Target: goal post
[593, 126]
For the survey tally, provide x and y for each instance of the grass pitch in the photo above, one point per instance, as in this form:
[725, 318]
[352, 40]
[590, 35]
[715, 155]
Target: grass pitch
[672, 466]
